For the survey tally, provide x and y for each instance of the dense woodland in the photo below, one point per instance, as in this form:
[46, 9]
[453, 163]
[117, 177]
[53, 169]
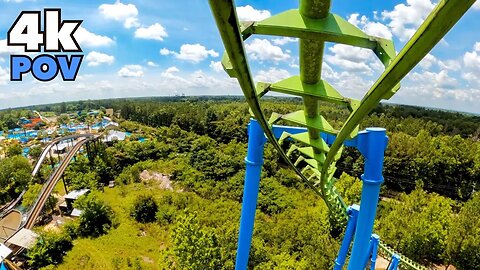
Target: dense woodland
[429, 212]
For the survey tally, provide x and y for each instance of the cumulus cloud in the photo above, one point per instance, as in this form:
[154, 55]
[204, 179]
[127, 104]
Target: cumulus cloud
[283, 40]
[155, 31]
[263, 49]
[471, 63]
[248, 13]
[376, 29]
[151, 64]
[350, 58]
[125, 13]
[437, 80]
[131, 71]
[272, 75]
[96, 58]
[194, 53]
[7, 50]
[216, 66]
[406, 18]
[89, 39]
[4, 76]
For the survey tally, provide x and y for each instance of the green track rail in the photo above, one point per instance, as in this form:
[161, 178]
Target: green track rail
[314, 25]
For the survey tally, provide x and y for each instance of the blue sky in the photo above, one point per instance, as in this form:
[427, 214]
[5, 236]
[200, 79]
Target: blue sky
[164, 48]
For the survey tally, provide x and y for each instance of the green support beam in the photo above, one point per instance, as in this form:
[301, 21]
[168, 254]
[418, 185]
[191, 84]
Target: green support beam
[313, 25]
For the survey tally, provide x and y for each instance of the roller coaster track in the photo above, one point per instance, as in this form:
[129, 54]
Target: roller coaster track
[6, 208]
[47, 189]
[313, 24]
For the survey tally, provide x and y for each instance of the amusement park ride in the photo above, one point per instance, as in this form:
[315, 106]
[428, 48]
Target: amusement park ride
[316, 144]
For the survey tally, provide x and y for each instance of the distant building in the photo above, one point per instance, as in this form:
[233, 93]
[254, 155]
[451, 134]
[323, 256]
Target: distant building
[114, 135]
[109, 112]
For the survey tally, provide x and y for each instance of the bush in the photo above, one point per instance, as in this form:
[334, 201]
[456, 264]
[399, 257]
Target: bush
[145, 209]
[96, 218]
[49, 249]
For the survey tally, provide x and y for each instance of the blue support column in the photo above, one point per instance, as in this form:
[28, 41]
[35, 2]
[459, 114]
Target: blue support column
[254, 162]
[375, 241]
[352, 212]
[371, 143]
[395, 262]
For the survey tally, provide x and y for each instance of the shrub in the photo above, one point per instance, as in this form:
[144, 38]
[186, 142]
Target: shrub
[145, 209]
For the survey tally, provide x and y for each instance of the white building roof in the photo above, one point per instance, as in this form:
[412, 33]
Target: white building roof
[75, 194]
[114, 135]
[76, 212]
[23, 238]
[4, 252]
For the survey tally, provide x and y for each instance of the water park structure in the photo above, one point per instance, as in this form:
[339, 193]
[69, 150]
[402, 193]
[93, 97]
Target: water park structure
[316, 144]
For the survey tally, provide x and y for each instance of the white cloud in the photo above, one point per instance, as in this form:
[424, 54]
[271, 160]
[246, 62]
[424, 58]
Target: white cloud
[95, 59]
[376, 29]
[450, 64]
[130, 71]
[283, 40]
[471, 63]
[194, 53]
[248, 13]
[151, 64]
[169, 72]
[125, 13]
[272, 75]
[216, 66]
[7, 50]
[471, 60]
[4, 76]
[155, 31]
[89, 39]
[262, 49]
[433, 79]
[406, 18]
[428, 61]
[350, 58]
[476, 5]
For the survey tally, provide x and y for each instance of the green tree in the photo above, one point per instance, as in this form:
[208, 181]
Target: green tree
[144, 209]
[14, 177]
[63, 119]
[96, 218]
[35, 152]
[463, 239]
[14, 150]
[49, 249]
[417, 225]
[195, 247]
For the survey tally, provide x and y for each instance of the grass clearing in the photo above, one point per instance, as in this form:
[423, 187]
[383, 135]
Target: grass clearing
[128, 246]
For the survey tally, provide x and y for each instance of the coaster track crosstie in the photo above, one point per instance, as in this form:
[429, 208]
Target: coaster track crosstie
[319, 144]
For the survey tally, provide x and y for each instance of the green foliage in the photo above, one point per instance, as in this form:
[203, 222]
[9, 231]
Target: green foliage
[195, 246]
[35, 152]
[83, 180]
[14, 150]
[416, 225]
[96, 218]
[463, 239]
[49, 249]
[14, 177]
[31, 195]
[349, 188]
[144, 209]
